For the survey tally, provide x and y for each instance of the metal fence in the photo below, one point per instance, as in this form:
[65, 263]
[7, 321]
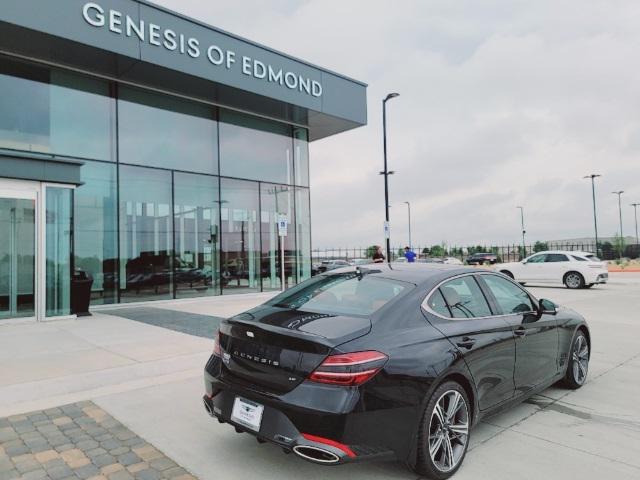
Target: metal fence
[505, 253]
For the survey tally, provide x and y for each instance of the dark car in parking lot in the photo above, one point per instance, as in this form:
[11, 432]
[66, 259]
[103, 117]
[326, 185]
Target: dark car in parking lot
[390, 361]
[482, 259]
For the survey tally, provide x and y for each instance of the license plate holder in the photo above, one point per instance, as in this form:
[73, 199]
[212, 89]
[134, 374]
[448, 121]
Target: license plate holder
[247, 413]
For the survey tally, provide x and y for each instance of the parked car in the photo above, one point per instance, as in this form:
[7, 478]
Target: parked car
[482, 259]
[452, 261]
[327, 265]
[573, 269]
[389, 361]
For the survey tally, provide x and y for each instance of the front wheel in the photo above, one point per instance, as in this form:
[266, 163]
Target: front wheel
[443, 435]
[573, 280]
[578, 365]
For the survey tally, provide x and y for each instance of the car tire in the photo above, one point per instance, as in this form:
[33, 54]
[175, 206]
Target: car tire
[573, 280]
[507, 273]
[578, 364]
[589, 285]
[442, 441]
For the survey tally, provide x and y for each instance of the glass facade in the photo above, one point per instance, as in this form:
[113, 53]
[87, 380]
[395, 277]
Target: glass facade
[58, 230]
[178, 198]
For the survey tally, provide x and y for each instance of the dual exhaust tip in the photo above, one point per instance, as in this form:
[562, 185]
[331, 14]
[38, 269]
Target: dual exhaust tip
[306, 452]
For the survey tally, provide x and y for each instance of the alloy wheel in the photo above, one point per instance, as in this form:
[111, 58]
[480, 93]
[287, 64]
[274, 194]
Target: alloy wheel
[580, 356]
[448, 431]
[573, 280]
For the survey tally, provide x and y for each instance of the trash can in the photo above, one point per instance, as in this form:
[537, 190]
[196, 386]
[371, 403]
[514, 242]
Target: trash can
[81, 283]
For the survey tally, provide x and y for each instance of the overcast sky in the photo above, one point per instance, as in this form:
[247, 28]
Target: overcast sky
[503, 103]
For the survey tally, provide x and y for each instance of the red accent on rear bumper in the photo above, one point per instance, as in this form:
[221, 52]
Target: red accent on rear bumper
[331, 443]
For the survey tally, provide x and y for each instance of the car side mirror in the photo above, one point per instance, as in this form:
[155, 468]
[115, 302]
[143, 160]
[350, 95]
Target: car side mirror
[547, 307]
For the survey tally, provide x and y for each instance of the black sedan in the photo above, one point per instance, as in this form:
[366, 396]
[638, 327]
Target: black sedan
[482, 259]
[394, 361]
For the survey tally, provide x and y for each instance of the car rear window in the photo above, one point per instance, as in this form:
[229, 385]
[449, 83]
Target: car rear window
[341, 294]
[579, 259]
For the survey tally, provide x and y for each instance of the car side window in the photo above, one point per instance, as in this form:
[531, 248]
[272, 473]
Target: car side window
[464, 298]
[537, 258]
[510, 297]
[556, 257]
[438, 305]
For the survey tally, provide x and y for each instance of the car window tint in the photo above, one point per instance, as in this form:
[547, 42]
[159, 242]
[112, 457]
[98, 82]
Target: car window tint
[556, 257]
[438, 305]
[579, 259]
[510, 297]
[464, 298]
[537, 258]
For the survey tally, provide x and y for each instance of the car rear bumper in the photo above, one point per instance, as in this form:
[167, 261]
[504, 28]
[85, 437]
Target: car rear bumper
[602, 278]
[308, 437]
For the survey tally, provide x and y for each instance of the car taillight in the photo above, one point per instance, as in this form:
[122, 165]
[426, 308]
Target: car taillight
[349, 369]
[217, 351]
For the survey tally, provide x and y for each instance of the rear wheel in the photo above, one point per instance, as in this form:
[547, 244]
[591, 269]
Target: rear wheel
[578, 365]
[507, 273]
[573, 280]
[443, 435]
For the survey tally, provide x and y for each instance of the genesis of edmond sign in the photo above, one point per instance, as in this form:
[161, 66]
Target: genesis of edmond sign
[121, 24]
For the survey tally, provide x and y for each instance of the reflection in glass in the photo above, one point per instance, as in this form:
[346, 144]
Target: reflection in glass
[197, 235]
[255, 148]
[146, 234]
[17, 257]
[303, 233]
[53, 111]
[240, 248]
[58, 226]
[169, 132]
[274, 200]
[301, 156]
[96, 229]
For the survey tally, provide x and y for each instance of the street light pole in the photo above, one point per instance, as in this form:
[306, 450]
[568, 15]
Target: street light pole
[635, 211]
[593, 176]
[386, 171]
[409, 214]
[619, 193]
[524, 245]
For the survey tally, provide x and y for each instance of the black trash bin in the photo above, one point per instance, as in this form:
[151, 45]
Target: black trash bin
[81, 283]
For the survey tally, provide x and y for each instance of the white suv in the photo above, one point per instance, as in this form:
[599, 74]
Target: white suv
[573, 269]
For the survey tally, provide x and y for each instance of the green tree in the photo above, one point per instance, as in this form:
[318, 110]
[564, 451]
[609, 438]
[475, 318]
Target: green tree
[618, 242]
[371, 251]
[425, 251]
[437, 251]
[540, 246]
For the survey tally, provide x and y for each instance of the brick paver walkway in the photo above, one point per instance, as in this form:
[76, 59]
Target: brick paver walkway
[79, 441]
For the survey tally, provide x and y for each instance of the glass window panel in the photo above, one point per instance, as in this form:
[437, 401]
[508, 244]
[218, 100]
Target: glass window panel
[169, 132]
[240, 248]
[464, 298]
[58, 251]
[303, 234]
[255, 148]
[96, 229]
[53, 111]
[510, 297]
[274, 200]
[17, 257]
[301, 156]
[197, 235]
[146, 234]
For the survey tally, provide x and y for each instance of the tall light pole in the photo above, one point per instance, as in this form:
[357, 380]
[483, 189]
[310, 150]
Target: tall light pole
[593, 176]
[619, 193]
[635, 211]
[409, 214]
[524, 245]
[386, 171]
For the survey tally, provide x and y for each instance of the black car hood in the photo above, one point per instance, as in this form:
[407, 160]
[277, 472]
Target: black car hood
[336, 329]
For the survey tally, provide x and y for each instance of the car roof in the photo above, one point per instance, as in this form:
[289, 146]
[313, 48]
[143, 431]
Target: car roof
[416, 273]
[566, 252]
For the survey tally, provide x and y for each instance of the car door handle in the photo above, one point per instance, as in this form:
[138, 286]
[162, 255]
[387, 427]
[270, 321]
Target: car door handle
[466, 342]
[520, 331]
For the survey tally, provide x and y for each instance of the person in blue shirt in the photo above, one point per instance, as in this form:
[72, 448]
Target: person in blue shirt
[409, 255]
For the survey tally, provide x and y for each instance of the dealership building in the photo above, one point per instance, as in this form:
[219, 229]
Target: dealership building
[153, 152]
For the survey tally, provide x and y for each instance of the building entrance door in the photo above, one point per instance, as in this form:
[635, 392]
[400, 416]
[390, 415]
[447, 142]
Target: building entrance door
[35, 250]
[17, 254]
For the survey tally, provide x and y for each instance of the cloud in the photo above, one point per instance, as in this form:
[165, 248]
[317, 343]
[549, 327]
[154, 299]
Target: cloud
[503, 103]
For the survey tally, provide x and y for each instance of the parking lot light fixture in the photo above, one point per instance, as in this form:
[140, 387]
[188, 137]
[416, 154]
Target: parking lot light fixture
[593, 176]
[386, 171]
[619, 193]
[524, 245]
[409, 214]
[635, 212]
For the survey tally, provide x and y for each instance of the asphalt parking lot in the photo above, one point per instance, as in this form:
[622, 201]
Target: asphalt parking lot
[156, 392]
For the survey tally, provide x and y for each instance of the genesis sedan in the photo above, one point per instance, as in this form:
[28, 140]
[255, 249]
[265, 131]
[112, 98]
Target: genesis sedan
[390, 361]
